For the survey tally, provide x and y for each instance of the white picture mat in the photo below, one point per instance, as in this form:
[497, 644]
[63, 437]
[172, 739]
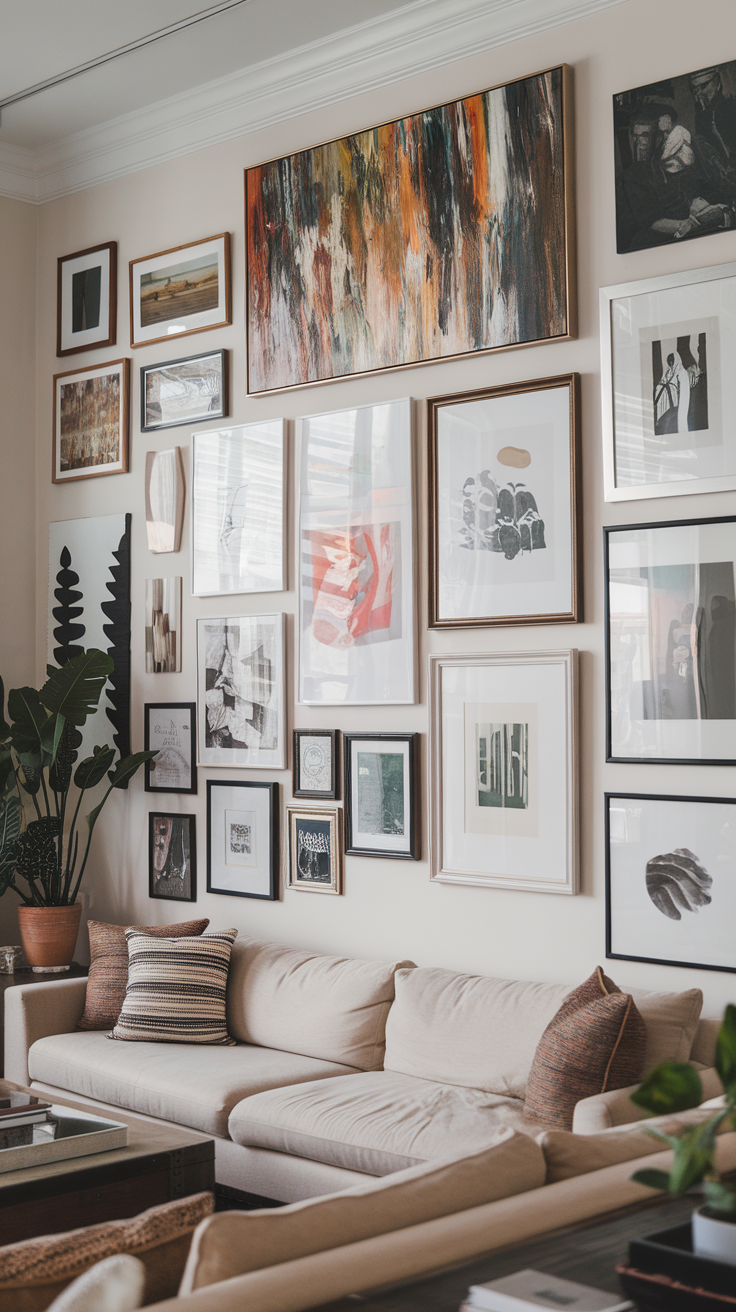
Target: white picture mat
[184, 323]
[170, 734]
[316, 782]
[114, 466]
[380, 842]
[249, 757]
[75, 341]
[232, 878]
[233, 820]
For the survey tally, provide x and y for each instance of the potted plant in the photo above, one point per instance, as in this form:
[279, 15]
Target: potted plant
[41, 836]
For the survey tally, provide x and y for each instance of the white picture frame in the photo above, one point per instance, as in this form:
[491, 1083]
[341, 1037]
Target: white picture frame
[241, 691]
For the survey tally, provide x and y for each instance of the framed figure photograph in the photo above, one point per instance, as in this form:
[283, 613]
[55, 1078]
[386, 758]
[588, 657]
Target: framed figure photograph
[172, 856]
[314, 858]
[91, 435]
[187, 391]
[315, 771]
[170, 730]
[182, 290]
[380, 795]
[243, 838]
[87, 299]
[241, 691]
[503, 523]
[671, 880]
[504, 770]
[671, 642]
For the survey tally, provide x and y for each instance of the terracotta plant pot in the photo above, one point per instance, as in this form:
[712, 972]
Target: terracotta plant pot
[49, 935]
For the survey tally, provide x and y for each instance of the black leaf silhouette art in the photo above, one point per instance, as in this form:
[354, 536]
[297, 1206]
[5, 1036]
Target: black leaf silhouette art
[117, 633]
[67, 632]
[678, 881]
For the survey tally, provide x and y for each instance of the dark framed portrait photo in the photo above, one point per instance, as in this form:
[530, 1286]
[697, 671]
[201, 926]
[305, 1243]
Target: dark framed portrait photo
[87, 299]
[170, 730]
[243, 838]
[186, 391]
[314, 855]
[315, 768]
[172, 856]
[380, 795]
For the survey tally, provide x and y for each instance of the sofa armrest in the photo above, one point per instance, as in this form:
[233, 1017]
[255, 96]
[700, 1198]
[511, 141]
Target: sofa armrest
[32, 1011]
[604, 1110]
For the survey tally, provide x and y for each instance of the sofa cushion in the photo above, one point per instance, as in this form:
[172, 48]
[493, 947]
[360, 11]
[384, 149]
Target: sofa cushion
[672, 1022]
[108, 967]
[176, 989]
[115, 1284]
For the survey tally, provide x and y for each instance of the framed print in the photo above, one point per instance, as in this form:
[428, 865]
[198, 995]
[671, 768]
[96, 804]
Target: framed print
[163, 626]
[237, 510]
[91, 422]
[356, 556]
[671, 642]
[172, 857]
[503, 524]
[187, 391]
[671, 880]
[170, 731]
[164, 499]
[241, 691]
[314, 849]
[183, 290]
[315, 763]
[87, 299]
[445, 233]
[243, 839]
[503, 770]
[380, 795]
[668, 386]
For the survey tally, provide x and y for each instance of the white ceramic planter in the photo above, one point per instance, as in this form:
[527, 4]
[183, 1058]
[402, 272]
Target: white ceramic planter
[714, 1238]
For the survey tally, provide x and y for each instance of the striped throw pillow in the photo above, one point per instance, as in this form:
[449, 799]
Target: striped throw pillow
[176, 989]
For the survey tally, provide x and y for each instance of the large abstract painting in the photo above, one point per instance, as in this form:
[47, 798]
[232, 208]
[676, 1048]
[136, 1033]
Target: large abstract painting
[443, 233]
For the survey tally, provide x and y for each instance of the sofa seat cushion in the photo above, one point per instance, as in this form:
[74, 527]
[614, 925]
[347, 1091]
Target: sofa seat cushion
[169, 1080]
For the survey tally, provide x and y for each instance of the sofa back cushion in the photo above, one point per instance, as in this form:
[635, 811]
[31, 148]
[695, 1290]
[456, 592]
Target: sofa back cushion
[672, 1023]
[331, 1008]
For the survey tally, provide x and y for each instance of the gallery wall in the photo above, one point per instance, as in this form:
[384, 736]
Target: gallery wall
[389, 908]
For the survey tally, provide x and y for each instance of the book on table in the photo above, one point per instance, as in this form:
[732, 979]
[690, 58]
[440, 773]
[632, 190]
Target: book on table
[527, 1291]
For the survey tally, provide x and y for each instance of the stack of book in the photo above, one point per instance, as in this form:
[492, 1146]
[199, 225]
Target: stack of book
[19, 1112]
[527, 1291]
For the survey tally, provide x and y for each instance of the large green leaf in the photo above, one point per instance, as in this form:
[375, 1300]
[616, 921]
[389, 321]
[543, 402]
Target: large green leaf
[121, 776]
[720, 1199]
[671, 1087]
[60, 774]
[726, 1052]
[31, 763]
[7, 771]
[74, 690]
[37, 855]
[33, 728]
[652, 1179]
[94, 768]
[11, 819]
[4, 726]
[693, 1156]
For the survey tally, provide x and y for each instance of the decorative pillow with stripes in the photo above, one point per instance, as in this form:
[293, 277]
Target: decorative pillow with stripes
[176, 989]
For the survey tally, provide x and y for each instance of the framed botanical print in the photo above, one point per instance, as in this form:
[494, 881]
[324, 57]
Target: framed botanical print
[182, 290]
[503, 523]
[241, 691]
[187, 391]
[314, 849]
[91, 434]
[315, 771]
[380, 795]
[87, 299]
[170, 730]
[243, 838]
[172, 856]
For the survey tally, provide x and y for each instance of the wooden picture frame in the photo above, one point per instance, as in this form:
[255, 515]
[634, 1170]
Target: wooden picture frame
[87, 288]
[190, 384]
[309, 766]
[173, 725]
[76, 451]
[172, 856]
[313, 833]
[193, 283]
[372, 828]
[243, 838]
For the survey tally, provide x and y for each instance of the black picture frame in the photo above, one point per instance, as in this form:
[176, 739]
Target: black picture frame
[150, 766]
[297, 780]
[201, 417]
[191, 823]
[269, 876]
[411, 809]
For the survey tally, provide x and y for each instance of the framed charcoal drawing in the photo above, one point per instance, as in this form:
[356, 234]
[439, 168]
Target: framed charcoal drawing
[381, 794]
[671, 642]
[87, 299]
[172, 856]
[503, 525]
[183, 290]
[668, 385]
[241, 691]
[243, 839]
[91, 434]
[423, 226]
[314, 857]
[671, 880]
[187, 391]
[315, 769]
[164, 500]
[170, 730]
[503, 770]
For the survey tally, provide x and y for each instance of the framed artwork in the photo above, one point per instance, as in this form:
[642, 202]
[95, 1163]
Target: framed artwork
[172, 856]
[164, 499]
[671, 880]
[444, 233]
[503, 770]
[87, 299]
[315, 763]
[503, 524]
[170, 730]
[187, 391]
[243, 839]
[668, 386]
[241, 691]
[91, 422]
[183, 290]
[380, 794]
[674, 146]
[315, 849]
[356, 566]
[237, 510]
[671, 642]
[163, 626]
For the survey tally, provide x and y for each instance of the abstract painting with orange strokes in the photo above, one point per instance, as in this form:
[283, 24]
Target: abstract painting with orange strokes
[436, 235]
[356, 577]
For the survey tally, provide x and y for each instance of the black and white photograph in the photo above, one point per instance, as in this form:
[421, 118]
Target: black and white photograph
[186, 391]
[170, 732]
[87, 299]
[314, 850]
[671, 880]
[163, 626]
[240, 683]
[243, 838]
[172, 857]
[380, 794]
[315, 763]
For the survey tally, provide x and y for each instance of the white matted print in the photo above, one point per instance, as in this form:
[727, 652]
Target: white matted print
[242, 838]
[180, 291]
[240, 691]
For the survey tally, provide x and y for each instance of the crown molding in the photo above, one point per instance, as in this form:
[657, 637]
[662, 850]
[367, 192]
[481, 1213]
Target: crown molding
[418, 37]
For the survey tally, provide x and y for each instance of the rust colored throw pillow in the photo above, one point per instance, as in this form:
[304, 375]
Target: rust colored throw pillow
[108, 967]
[595, 1042]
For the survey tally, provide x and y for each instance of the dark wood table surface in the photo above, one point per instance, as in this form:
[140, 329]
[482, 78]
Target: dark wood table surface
[75, 971]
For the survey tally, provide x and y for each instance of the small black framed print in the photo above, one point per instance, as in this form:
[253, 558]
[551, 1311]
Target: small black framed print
[172, 856]
[315, 763]
[380, 795]
[243, 838]
[170, 730]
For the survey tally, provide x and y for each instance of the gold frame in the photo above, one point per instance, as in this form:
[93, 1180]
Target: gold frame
[333, 814]
[188, 332]
[96, 471]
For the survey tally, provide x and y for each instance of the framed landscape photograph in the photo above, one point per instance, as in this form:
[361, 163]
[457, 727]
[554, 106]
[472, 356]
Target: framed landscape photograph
[671, 880]
[503, 523]
[241, 691]
[315, 772]
[164, 499]
[91, 434]
[87, 299]
[671, 642]
[243, 839]
[187, 391]
[170, 730]
[381, 795]
[314, 861]
[183, 290]
[504, 770]
[172, 856]
[163, 626]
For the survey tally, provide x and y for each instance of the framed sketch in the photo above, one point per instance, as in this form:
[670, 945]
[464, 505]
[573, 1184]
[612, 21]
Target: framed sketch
[671, 880]
[503, 523]
[87, 299]
[503, 773]
[668, 385]
[243, 839]
[671, 642]
[314, 862]
[315, 763]
[164, 499]
[170, 730]
[163, 626]
[237, 510]
[241, 691]
[356, 561]
[380, 794]
[183, 290]
[91, 422]
[172, 856]
[444, 233]
[187, 391]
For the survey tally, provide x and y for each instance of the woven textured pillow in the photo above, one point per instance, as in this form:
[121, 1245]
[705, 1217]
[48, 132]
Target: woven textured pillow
[108, 968]
[176, 989]
[596, 1041]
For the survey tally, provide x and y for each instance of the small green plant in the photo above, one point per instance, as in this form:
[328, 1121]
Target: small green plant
[676, 1087]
